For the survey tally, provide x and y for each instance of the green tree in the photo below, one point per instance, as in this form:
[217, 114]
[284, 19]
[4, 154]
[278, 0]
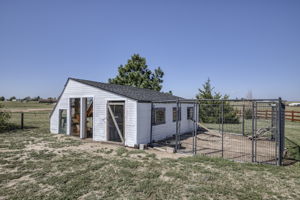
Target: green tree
[2, 98]
[12, 98]
[210, 110]
[136, 73]
[36, 98]
[28, 98]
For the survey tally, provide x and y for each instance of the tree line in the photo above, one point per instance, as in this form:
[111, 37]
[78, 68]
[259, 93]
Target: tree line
[28, 98]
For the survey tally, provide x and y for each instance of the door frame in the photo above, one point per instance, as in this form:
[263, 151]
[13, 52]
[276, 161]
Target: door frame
[69, 132]
[115, 102]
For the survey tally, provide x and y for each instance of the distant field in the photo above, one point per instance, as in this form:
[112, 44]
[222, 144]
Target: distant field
[294, 108]
[25, 106]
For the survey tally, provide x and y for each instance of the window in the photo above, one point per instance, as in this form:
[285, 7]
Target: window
[62, 121]
[159, 116]
[175, 114]
[190, 113]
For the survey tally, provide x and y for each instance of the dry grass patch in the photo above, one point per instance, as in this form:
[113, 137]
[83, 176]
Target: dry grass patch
[47, 166]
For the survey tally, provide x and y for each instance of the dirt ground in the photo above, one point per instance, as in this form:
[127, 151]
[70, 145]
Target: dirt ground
[235, 147]
[88, 145]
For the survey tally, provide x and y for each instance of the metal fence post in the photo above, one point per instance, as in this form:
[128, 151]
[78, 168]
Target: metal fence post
[253, 135]
[193, 145]
[197, 120]
[220, 117]
[22, 120]
[280, 131]
[222, 129]
[177, 126]
[243, 120]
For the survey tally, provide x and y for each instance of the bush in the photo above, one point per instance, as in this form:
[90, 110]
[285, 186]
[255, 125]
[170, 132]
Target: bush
[248, 113]
[4, 117]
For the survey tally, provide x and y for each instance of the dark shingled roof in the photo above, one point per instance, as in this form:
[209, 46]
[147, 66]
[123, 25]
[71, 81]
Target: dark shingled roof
[139, 94]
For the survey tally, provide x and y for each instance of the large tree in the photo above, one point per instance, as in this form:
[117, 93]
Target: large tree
[211, 107]
[136, 73]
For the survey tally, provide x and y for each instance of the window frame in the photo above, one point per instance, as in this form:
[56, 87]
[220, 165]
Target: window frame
[174, 110]
[154, 120]
[188, 113]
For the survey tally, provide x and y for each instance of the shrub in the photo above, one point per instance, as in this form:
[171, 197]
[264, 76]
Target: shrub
[248, 113]
[4, 117]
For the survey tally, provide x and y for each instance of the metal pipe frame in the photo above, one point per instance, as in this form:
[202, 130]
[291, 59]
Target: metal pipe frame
[222, 129]
[177, 126]
[199, 100]
[253, 116]
[197, 104]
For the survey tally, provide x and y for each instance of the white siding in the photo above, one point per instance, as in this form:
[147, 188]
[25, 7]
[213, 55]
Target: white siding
[75, 89]
[161, 131]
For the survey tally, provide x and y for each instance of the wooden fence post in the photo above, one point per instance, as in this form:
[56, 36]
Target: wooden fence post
[266, 115]
[22, 120]
[292, 115]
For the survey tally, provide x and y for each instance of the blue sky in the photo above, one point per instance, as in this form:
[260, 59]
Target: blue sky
[240, 45]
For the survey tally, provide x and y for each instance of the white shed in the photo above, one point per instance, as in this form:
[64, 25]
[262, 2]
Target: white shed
[118, 113]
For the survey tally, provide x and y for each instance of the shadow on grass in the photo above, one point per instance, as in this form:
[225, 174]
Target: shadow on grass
[13, 127]
[292, 153]
[288, 162]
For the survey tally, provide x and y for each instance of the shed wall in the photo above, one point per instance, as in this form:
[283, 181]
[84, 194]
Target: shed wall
[75, 89]
[161, 131]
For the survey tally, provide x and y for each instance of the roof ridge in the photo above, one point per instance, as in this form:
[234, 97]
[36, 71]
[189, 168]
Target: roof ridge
[128, 86]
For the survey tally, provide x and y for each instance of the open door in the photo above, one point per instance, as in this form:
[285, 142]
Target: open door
[115, 121]
[75, 116]
[89, 117]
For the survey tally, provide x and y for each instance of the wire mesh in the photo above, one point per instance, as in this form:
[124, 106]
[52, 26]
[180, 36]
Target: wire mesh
[246, 131]
[25, 120]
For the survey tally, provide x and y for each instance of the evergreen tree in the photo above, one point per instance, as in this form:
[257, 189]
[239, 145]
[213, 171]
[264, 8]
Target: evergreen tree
[210, 110]
[136, 73]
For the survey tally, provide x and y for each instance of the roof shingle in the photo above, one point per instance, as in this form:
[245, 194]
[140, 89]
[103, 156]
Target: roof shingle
[139, 94]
